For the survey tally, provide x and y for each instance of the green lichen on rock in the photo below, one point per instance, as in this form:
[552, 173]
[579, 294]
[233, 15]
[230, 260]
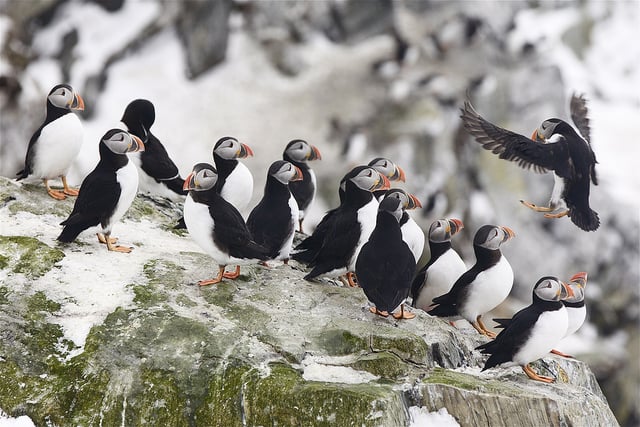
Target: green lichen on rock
[283, 395]
[384, 365]
[340, 342]
[29, 256]
[222, 405]
[405, 345]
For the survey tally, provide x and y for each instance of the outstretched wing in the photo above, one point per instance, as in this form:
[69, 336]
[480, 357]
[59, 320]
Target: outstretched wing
[542, 157]
[579, 111]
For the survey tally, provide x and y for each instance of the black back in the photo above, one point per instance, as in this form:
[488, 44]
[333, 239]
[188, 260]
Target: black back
[385, 265]
[304, 189]
[139, 116]
[98, 197]
[270, 221]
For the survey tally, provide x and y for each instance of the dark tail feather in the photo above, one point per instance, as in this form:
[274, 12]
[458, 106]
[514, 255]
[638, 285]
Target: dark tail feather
[416, 285]
[70, 232]
[304, 257]
[587, 219]
[180, 225]
[22, 174]
[495, 360]
[502, 323]
[175, 185]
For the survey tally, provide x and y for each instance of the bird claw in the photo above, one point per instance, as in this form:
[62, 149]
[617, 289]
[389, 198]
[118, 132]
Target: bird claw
[374, 310]
[56, 194]
[536, 207]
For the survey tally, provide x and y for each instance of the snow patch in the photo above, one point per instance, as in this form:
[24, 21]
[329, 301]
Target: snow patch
[22, 421]
[326, 369]
[421, 417]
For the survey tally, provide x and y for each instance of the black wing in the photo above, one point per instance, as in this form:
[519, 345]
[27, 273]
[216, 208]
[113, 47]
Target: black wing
[447, 304]
[156, 162]
[28, 167]
[578, 109]
[307, 250]
[512, 146]
[264, 223]
[98, 197]
[232, 234]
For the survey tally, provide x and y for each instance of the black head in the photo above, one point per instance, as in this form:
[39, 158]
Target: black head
[121, 142]
[550, 288]
[443, 229]
[393, 206]
[299, 150]
[389, 169]
[229, 148]
[139, 112]
[284, 172]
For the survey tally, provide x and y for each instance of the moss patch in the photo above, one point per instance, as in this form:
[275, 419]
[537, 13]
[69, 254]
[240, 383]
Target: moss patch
[4, 295]
[470, 382]
[340, 342]
[385, 365]
[407, 346]
[29, 256]
[284, 398]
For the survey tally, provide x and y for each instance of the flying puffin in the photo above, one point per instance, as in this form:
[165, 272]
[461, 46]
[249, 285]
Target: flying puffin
[57, 142]
[354, 221]
[444, 267]
[108, 191]
[533, 331]
[484, 286]
[235, 182]
[299, 152]
[307, 250]
[385, 265]
[412, 234]
[217, 226]
[554, 146]
[273, 221]
[158, 174]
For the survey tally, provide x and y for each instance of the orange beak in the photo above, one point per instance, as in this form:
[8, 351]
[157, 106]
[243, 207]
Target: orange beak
[137, 145]
[78, 102]
[189, 183]
[415, 202]
[298, 175]
[579, 278]
[315, 154]
[398, 175]
[568, 289]
[509, 232]
[456, 225]
[245, 151]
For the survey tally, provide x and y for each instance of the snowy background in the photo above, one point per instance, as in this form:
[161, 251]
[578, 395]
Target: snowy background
[286, 75]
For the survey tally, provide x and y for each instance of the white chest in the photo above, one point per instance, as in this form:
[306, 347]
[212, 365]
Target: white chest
[546, 333]
[285, 250]
[57, 147]
[127, 177]
[441, 276]
[488, 290]
[576, 316]
[367, 220]
[238, 187]
[413, 235]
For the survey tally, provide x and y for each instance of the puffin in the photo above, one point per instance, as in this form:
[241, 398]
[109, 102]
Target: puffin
[555, 146]
[386, 167]
[299, 152]
[533, 331]
[484, 286]
[307, 250]
[574, 303]
[273, 221]
[158, 173]
[56, 143]
[235, 182]
[412, 234]
[353, 222]
[107, 192]
[385, 264]
[444, 267]
[217, 226]
[576, 310]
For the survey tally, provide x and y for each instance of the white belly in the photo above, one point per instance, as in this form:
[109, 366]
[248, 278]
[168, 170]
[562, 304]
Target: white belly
[488, 290]
[367, 219]
[285, 250]
[576, 316]
[413, 235]
[441, 276]
[546, 334]
[201, 226]
[127, 177]
[238, 188]
[57, 147]
[556, 201]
